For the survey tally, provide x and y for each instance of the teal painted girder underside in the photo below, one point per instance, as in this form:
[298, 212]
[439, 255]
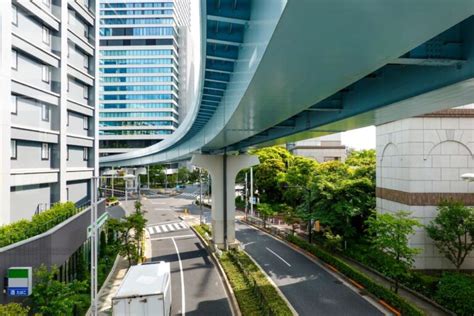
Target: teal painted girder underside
[309, 67]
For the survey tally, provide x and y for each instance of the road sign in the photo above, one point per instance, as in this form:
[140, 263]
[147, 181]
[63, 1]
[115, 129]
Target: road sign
[19, 281]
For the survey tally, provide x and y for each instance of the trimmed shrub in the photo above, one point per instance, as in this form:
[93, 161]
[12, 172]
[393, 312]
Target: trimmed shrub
[39, 223]
[456, 292]
[379, 291]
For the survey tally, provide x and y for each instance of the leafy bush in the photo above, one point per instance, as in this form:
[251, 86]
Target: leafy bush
[372, 287]
[14, 309]
[39, 223]
[456, 292]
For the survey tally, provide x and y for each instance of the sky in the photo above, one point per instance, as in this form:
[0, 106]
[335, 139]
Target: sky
[362, 138]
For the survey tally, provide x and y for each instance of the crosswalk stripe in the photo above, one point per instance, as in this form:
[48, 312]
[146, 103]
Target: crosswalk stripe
[164, 228]
[183, 225]
[150, 230]
[177, 226]
[171, 228]
[158, 230]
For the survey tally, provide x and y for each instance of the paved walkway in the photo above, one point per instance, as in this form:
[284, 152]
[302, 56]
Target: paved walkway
[109, 289]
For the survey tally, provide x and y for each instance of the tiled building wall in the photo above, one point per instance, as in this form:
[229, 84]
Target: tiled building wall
[420, 161]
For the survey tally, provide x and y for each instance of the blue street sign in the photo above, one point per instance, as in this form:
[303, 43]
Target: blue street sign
[18, 291]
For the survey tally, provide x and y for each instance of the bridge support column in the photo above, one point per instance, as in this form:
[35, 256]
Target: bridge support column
[223, 170]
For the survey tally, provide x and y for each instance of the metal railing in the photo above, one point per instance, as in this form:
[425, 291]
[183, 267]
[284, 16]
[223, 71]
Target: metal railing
[263, 302]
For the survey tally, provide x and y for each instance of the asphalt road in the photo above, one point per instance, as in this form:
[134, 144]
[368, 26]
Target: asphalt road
[310, 289]
[196, 286]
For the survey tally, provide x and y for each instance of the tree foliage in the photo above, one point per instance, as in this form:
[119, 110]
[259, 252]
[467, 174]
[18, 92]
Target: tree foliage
[390, 233]
[130, 232]
[266, 210]
[453, 231]
[52, 297]
[14, 309]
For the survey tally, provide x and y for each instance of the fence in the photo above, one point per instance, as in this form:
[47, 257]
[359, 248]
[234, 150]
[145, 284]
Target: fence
[52, 247]
[264, 304]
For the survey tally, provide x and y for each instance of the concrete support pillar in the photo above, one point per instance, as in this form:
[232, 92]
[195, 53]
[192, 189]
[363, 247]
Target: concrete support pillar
[223, 170]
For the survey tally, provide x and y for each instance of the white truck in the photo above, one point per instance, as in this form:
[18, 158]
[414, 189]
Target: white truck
[145, 291]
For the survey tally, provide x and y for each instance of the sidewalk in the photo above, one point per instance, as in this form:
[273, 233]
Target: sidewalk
[423, 304]
[110, 287]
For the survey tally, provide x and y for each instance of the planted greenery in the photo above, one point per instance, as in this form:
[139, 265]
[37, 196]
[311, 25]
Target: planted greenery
[456, 292]
[14, 309]
[379, 291]
[254, 293]
[39, 223]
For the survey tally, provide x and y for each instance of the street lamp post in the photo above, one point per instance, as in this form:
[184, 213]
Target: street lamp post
[94, 245]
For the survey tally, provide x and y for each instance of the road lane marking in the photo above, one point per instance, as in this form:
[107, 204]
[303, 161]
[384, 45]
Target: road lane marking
[158, 230]
[175, 237]
[165, 230]
[183, 304]
[176, 226]
[170, 227]
[183, 225]
[150, 231]
[278, 256]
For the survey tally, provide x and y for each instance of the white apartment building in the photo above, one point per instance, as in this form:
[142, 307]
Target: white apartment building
[324, 148]
[48, 127]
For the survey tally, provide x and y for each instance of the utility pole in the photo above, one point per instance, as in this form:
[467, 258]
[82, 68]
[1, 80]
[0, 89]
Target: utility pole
[246, 199]
[94, 244]
[251, 191]
[200, 196]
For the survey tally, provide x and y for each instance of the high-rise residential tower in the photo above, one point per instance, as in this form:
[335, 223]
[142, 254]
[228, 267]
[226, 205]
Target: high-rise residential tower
[47, 80]
[140, 47]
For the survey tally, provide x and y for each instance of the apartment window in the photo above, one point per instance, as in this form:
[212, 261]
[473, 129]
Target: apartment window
[85, 154]
[85, 122]
[14, 59]
[68, 50]
[86, 32]
[86, 92]
[86, 62]
[14, 15]
[13, 150]
[46, 36]
[86, 3]
[14, 104]
[44, 151]
[45, 112]
[47, 3]
[67, 119]
[67, 154]
[45, 73]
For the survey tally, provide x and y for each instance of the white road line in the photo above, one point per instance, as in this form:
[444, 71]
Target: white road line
[165, 230]
[157, 228]
[177, 226]
[278, 256]
[183, 304]
[150, 230]
[175, 237]
[183, 225]
[170, 227]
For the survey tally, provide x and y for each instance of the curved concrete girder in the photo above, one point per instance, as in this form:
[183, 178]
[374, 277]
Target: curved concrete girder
[336, 44]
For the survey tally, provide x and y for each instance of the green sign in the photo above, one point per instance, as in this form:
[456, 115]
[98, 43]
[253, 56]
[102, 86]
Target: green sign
[19, 281]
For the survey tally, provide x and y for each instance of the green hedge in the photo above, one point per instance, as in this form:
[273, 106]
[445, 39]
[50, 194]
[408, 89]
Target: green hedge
[456, 292]
[379, 291]
[39, 223]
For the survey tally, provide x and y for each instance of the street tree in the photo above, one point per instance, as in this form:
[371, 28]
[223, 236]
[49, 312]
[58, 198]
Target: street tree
[266, 211]
[453, 231]
[53, 297]
[273, 161]
[389, 234]
[289, 216]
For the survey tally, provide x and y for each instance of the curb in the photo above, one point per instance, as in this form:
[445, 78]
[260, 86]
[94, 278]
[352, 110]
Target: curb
[234, 305]
[293, 310]
[332, 269]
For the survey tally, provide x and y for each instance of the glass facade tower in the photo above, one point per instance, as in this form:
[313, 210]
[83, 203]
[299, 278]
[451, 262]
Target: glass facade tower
[139, 72]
